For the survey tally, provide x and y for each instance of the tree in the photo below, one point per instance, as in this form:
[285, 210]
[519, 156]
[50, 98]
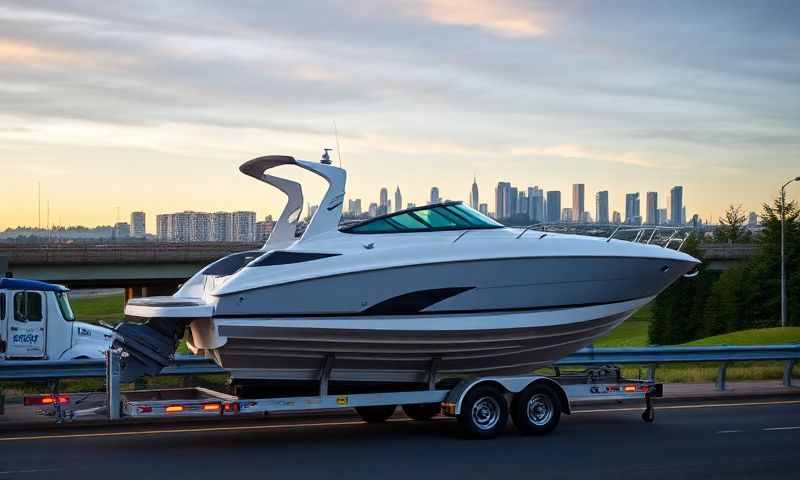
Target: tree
[731, 226]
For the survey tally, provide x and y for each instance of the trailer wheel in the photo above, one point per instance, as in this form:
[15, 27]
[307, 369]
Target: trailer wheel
[376, 414]
[536, 410]
[421, 411]
[484, 412]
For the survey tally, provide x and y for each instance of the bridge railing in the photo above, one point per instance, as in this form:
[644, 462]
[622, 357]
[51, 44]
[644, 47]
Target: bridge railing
[651, 357]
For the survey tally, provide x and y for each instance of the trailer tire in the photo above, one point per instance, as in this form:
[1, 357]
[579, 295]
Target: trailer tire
[536, 410]
[376, 414]
[484, 412]
[421, 411]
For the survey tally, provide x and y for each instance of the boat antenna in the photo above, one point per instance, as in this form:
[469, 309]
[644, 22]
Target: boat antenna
[338, 150]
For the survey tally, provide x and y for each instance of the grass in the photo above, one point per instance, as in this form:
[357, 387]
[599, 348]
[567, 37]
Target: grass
[105, 308]
[759, 336]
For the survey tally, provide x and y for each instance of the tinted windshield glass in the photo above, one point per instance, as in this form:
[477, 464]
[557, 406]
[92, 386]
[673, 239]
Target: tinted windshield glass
[64, 306]
[448, 216]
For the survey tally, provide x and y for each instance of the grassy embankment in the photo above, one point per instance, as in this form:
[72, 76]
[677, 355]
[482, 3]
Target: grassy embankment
[632, 333]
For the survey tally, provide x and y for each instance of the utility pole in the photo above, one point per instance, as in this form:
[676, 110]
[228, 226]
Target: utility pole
[783, 257]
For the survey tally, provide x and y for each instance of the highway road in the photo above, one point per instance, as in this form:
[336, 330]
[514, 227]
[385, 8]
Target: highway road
[740, 439]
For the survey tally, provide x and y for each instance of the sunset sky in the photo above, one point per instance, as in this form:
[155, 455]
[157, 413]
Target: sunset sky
[153, 105]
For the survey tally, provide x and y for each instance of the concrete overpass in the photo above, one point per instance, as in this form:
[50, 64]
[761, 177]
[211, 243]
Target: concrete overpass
[158, 268]
[142, 269]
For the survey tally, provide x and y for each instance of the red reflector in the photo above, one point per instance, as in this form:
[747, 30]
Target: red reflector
[45, 400]
[211, 407]
[145, 409]
[232, 407]
[174, 408]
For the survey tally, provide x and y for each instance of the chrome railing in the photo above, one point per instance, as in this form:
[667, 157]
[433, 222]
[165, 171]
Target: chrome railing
[650, 234]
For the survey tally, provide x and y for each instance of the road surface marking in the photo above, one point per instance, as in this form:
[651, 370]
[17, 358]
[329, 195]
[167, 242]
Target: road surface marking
[730, 431]
[38, 470]
[679, 407]
[773, 429]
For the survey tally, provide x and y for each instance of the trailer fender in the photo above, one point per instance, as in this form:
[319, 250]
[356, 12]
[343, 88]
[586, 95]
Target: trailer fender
[509, 385]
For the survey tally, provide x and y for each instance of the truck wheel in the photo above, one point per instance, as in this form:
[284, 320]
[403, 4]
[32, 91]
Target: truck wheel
[421, 411]
[376, 414]
[536, 410]
[484, 412]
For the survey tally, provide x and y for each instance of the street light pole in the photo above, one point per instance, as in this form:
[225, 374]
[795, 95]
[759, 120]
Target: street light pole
[783, 259]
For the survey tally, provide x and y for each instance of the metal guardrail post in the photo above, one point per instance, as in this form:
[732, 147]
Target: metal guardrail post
[113, 371]
[651, 373]
[723, 369]
[787, 372]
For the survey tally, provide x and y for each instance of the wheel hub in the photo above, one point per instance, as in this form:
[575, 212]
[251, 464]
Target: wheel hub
[486, 413]
[540, 409]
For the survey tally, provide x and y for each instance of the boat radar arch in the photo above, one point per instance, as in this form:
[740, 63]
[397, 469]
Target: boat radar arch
[327, 216]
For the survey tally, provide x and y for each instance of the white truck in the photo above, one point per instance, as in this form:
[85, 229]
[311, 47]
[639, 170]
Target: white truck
[37, 323]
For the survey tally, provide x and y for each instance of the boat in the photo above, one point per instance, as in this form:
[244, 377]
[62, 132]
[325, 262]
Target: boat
[432, 291]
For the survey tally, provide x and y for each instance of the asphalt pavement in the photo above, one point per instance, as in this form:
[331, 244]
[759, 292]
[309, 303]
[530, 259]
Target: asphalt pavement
[731, 439]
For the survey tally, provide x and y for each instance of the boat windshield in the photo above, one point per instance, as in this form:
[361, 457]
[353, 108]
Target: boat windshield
[444, 216]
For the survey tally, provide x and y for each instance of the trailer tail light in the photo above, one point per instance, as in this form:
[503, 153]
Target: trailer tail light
[630, 388]
[212, 407]
[231, 407]
[45, 400]
[173, 408]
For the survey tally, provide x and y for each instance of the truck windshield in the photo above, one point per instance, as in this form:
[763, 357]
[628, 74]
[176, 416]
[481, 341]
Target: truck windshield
[64, 306]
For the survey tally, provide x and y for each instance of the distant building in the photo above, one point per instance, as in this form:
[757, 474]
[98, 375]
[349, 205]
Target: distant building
[632, 208]
[601, 206]
[435, 198]
[354, 207]
[221, 227]
[398, 199]
[651, 211]
[536, 204]
[502, 200]
[200, 227]
[661, 217]
[373, 209]
[553, 207]
[264, 229]
[676, 211]
[616, 218]
[484, 208]
[244, 226]
[522, 203]
[474, 201]
[122, 230]
[566, 215]
[752, 219]
[138, 225]
[578, 203]
[162, 228]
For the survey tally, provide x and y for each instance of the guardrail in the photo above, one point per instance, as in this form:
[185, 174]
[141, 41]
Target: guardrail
[652, 357]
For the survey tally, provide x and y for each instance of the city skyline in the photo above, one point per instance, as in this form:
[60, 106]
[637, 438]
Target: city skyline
[109, 107]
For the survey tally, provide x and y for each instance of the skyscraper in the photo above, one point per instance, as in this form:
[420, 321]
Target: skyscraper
[512, 201]
[484, 208]
[162, 227]
[354, 207]
[553, 207]
[566, 215]
[383, 206]
[501, 200]
[632, 213]
[138, 226]
[435, 198]
[616, 218]
[474, 202]
[662, 216]
[651, 214]
[398, 199]
[536, 204]
[578, 204]
[676, 206]
[601, 207]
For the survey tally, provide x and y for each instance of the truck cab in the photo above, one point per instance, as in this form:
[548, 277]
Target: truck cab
[37, 323]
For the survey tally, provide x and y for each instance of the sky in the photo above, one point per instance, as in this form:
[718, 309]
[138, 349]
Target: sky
[153, 105]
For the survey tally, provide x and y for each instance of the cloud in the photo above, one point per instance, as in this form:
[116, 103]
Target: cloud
[578, 152]
[499, 17]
